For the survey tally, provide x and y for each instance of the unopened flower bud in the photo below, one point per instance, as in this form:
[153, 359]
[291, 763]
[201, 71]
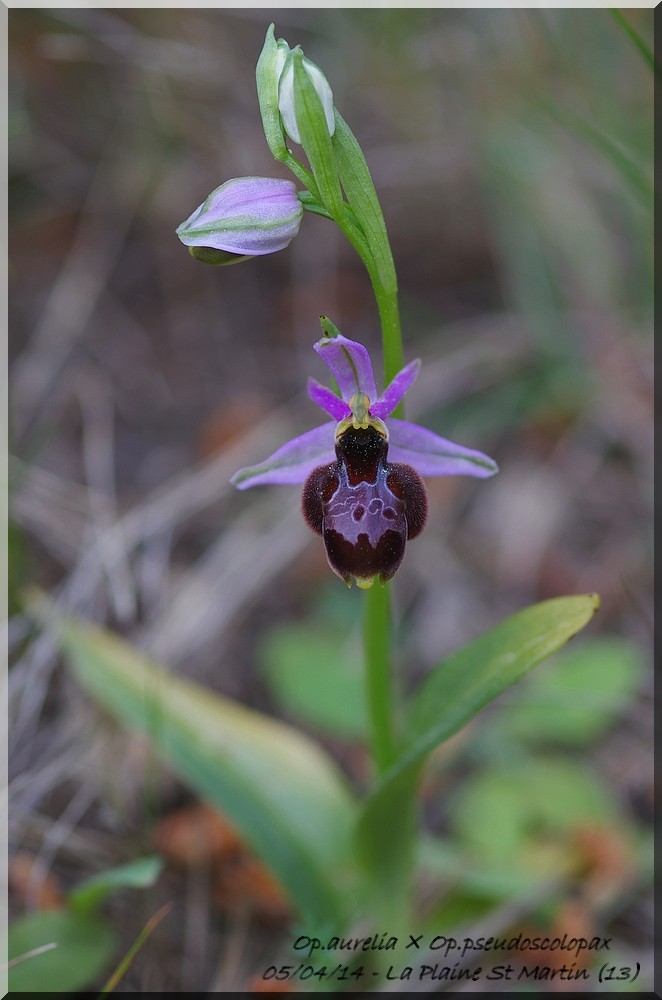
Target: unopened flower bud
[286, 103]
[245, 217]
[267, 73]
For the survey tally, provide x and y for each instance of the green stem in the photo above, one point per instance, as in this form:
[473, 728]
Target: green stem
[387, 304]
[377, 645]
[302, 174]
[377, 621]
[310, 205]
[356, 237]
[389, 315]
[377, 617]
[360, 220]
[377, 611]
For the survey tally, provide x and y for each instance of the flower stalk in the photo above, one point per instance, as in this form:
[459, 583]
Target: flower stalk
[379, 683]
[361, 471]
[377, 632]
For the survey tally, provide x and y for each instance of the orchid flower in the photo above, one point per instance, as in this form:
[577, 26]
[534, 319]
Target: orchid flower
[362, 470]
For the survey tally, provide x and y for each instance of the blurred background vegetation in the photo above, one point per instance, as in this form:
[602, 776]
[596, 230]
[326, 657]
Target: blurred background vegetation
[512, 152]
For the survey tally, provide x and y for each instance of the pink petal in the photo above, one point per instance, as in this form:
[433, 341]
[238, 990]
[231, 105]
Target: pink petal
[349, 363]
[293, 462]
[392, 395]
[328, 400]
[432, 455]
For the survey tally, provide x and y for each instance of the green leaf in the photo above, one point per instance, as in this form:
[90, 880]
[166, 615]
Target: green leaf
[317, 676]
[84, 947]
[138, 874]
[474, 675]
[280, 789]
[453, 693]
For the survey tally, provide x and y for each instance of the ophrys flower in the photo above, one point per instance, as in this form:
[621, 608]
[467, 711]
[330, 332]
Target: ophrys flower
[362, 470]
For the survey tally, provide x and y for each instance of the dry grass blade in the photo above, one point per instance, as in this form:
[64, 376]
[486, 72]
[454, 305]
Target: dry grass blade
[149, 927]
[81, 281]
[30, 954]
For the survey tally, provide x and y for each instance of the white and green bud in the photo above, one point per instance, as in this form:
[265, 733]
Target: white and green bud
[286, 94]
[274, 75]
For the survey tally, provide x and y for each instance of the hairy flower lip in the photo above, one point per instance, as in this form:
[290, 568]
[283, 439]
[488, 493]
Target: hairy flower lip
[409, 444]
[247, 216]
[364, 507]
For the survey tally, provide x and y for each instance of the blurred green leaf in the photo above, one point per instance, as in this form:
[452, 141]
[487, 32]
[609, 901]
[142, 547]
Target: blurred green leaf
[318, 677]
[490, 815]
[574, 699]
[85, 946]
[453, 693]
[553, 386]
[480, 878]
[279, 788]
[636, 39]
[496, 813]
[470, 884]
[563, 793]
[458, 909]
[138, 874]
[630, 168]
[511, 832]
[16, 568]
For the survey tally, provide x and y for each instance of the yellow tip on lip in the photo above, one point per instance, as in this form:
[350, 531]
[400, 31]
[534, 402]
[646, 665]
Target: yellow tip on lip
[365, 583]
[366, 422]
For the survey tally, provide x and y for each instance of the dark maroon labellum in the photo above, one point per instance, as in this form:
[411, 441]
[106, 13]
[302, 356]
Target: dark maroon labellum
[365, 507]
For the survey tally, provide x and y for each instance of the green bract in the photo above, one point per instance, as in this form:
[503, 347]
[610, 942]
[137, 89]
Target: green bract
[267, 73]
